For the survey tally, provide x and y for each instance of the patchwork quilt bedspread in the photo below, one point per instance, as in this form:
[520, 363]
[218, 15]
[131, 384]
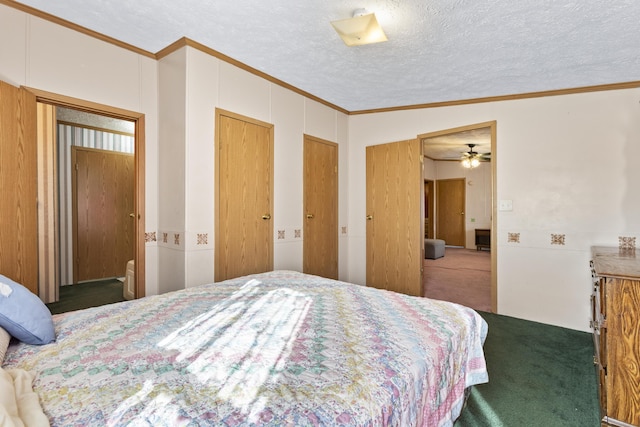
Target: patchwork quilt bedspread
[274, 349]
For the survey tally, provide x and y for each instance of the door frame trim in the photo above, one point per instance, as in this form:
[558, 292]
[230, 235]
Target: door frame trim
[494, 204]
[46, 97]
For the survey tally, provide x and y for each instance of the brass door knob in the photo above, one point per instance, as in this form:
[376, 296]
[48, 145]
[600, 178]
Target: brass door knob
[369, 217]
[309, 216]
[266, 216]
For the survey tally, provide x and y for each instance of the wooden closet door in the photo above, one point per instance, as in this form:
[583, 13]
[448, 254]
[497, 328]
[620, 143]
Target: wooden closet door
[103, 188]
[320, 182]
[244, 201]
[395, 212]
[18, 186]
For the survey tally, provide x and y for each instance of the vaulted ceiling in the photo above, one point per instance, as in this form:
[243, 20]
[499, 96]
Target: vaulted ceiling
[438, 50]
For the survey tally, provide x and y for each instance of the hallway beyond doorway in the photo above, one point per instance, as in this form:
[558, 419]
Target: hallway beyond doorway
[462, 276]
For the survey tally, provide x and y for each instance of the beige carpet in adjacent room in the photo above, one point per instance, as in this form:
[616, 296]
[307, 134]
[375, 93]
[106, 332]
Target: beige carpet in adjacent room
[462, 276]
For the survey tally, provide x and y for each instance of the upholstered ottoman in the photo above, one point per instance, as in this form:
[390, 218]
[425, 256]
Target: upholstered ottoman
[433, 248]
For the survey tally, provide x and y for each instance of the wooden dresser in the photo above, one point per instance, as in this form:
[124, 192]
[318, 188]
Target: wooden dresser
[615, 321]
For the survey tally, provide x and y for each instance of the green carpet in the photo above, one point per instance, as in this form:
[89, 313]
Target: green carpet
[85, 295]
[539, 375]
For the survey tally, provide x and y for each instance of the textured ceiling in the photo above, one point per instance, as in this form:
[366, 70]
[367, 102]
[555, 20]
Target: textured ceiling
[438, 50]
[451, 146]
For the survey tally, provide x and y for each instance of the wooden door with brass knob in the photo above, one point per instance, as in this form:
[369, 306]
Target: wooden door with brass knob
[394, 212]
[320, 193]
[102, 199]
[243, 196]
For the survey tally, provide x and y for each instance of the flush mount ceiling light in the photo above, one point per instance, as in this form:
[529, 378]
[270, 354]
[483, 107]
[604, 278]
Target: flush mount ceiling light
[362, 28]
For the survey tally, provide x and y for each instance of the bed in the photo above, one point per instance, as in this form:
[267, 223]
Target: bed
[274, 349]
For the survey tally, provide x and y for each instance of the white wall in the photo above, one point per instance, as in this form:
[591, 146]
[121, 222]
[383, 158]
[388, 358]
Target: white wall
[39, 54]
[568, 164]
[210, 83]
[172, 112]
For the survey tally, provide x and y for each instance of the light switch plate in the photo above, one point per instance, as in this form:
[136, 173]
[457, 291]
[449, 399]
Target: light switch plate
[505, 205]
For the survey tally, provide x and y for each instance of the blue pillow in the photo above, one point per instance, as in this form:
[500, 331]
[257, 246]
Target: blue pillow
[24, 315]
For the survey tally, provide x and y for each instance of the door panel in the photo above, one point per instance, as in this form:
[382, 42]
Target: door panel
[18, 186]
[395, 209]
[450, 207]
[103, 189]
[244, 203]
[320, 244]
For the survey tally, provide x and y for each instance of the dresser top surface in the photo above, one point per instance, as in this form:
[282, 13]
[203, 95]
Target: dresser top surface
[615, 262]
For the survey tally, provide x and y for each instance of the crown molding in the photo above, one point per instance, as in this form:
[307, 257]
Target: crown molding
[186, 42]
[513, 97]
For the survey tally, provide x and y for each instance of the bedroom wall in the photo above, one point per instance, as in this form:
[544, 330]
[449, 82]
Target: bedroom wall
[209, 83]
[568, 164]
[39, 54]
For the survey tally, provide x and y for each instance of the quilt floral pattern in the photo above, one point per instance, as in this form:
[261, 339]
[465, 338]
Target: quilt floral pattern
[274, 349]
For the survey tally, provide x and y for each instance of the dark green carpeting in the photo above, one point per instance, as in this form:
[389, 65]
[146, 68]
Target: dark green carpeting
[539, 375]
[85, 295]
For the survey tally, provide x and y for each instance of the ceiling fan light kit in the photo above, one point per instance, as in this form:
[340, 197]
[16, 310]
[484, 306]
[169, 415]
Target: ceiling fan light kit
[471, 159]
[363, 28]
[470, 163]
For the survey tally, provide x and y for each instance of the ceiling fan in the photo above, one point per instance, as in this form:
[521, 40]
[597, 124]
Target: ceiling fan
[471, 159]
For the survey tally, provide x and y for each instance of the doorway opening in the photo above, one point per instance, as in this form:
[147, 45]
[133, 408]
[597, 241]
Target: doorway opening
[62, 124]
[466, 270]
